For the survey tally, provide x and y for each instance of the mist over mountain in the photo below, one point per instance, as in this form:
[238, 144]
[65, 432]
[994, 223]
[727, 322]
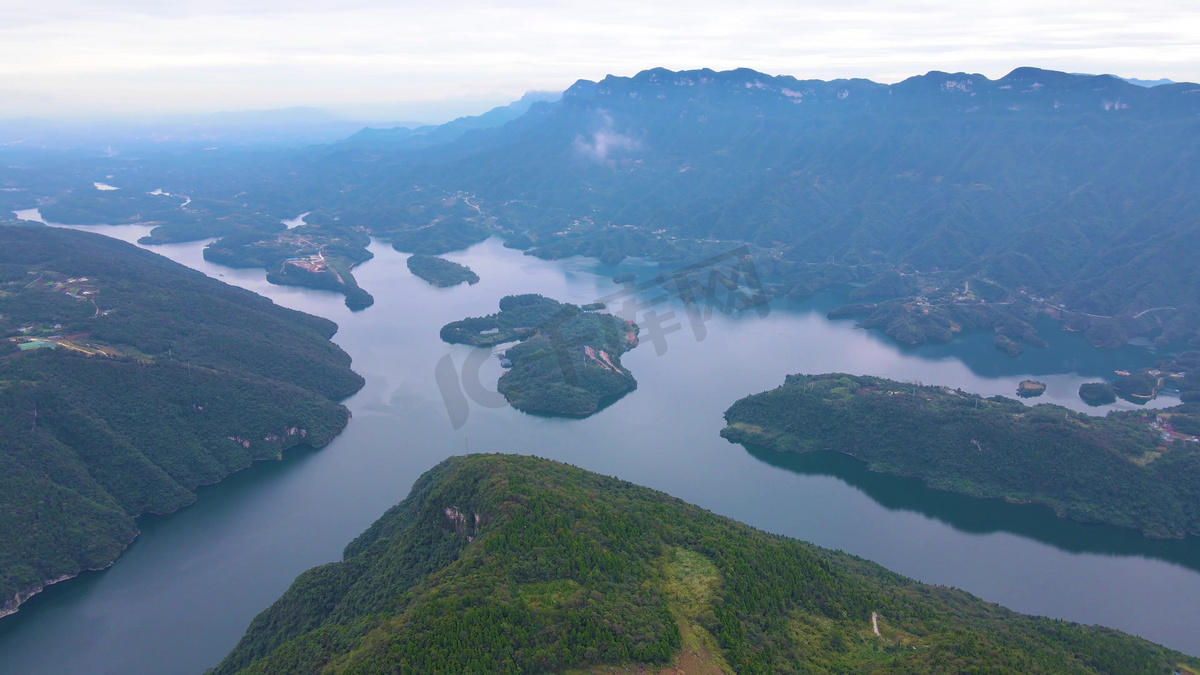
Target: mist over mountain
[1069, 186]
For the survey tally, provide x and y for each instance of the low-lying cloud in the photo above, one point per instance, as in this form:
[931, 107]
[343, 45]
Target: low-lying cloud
[604, 142]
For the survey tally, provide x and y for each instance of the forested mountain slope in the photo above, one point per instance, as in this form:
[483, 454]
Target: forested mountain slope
[508, 564]
[1074, 189]
[127, 380]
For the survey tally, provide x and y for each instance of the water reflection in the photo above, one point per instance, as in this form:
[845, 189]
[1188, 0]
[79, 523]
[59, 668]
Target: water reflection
[983, 516]
[1068, 351]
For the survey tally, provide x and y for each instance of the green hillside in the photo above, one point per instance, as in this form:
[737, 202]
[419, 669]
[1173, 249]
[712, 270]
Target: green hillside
[126, 381]
[1117, 469]
[507, 564]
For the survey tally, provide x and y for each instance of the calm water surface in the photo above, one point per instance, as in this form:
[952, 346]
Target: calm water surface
[182, 594]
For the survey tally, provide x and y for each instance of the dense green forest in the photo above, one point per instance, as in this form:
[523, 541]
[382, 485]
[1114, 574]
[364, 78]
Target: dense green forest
[439, 271]
[954, 200]
[519, 317]
[1117, 469]
[126, 381]
[508, 564]
[569, 358]
[443, 235]
[1097, 393]
[201, 218]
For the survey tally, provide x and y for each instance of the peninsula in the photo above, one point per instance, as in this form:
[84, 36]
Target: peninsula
[320, 254]
[1126, 469]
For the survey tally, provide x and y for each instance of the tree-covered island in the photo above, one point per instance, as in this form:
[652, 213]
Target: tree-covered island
[1031, 388]
[1097, 393]
[568, 361]
[439, 271]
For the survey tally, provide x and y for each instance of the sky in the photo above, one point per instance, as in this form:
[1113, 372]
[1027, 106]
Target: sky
[439, 59]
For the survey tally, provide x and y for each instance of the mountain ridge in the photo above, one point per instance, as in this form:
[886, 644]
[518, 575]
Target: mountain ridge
[1064, 194]
[508, 564]
[843, 89]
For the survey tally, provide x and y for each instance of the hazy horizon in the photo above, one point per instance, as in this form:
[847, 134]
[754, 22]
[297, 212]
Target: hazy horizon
[137, 57]
[432, 112]
[409, 113]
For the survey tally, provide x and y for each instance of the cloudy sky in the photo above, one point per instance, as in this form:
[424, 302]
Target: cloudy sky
[73, 57]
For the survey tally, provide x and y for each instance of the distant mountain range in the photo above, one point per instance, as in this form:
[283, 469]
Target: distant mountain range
[982, 201]
[286, 127]
[427, 135]
[1138, 82]
[1148, 83]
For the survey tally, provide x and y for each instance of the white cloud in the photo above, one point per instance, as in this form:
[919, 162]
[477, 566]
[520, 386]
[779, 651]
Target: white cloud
[604, 141]
[127, 55]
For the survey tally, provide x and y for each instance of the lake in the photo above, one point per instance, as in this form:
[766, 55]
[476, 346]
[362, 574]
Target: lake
[185, 590]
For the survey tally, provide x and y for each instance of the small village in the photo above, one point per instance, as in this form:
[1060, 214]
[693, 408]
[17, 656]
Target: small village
[80, 288]
[35, 336]
[1162, 425]
[315, 264]
[305, 251]
[83, 289]
[74, 342]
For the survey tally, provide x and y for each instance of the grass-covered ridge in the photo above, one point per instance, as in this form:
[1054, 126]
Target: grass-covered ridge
[568, 361]
[1119, 469]
[509, 564]
[140, 380]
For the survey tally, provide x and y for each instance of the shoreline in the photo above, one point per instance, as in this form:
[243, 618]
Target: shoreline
[13, 605]
[742, 437]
